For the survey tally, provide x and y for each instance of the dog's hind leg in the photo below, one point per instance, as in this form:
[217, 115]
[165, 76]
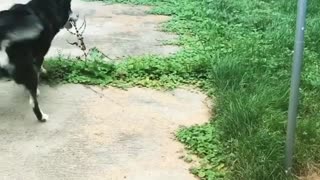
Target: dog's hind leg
[42, 117]
[32, 86]
[29, 78]
[40, 69]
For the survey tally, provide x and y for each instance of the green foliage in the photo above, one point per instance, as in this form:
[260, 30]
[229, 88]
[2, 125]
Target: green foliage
[148, 71]
[203, 141]
[93, 72]
[240, 51]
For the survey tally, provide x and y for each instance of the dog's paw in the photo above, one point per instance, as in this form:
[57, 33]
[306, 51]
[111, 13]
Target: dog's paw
[45, 118]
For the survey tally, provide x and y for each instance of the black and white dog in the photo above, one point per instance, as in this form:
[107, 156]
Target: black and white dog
[26, 33]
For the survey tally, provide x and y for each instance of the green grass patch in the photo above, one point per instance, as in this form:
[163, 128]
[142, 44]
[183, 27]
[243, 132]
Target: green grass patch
[240, 51]
[147, 71]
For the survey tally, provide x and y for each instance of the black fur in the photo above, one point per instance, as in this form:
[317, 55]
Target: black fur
[26, 33]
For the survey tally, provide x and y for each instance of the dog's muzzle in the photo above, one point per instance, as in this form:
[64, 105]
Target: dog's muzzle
[73, 18]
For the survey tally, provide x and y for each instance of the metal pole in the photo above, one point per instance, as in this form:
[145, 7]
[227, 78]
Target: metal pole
[295, 83]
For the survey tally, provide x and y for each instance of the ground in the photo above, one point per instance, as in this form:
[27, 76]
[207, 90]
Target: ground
[98, 133]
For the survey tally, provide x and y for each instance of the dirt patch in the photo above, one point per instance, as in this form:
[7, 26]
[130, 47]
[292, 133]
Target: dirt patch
[313, 176]
[312, 173]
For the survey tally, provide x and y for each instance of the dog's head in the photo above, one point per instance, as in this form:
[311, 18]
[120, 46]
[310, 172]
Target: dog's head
[67, 16]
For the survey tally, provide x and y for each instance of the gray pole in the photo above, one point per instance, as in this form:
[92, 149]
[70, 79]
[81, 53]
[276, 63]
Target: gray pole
[295, 83]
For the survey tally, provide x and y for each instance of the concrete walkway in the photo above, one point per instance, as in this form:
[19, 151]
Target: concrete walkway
[100, 134]
[96, 133]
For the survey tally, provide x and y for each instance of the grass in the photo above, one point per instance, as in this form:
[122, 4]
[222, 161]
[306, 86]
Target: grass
[147, 71]
[240, 51]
